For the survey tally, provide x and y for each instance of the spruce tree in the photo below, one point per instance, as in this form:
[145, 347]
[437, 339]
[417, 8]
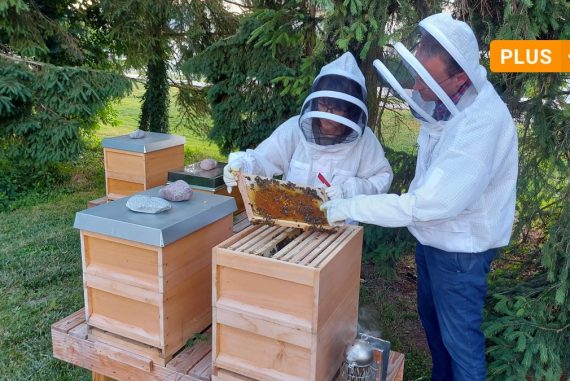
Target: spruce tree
[48, 102]
[528, 314]
[156, 37]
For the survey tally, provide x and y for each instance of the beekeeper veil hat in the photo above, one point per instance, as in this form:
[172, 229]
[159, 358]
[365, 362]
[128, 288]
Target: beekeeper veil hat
[399, 69]
[337, 97]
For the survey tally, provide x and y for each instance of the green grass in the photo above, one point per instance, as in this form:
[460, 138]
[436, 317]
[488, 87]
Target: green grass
[40, 280]
[40, 260]
[399, 130]
[128, 113]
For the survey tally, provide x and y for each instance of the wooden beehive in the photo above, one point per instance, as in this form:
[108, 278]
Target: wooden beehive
[135, 165]
[285, 302]
[151, 283]
[211, 181]
[223, 191]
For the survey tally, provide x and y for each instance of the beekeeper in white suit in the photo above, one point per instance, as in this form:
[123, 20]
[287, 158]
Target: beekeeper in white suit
[460, 205]
[329, 138]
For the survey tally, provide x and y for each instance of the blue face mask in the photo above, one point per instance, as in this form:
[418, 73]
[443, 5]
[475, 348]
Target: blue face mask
[426, 106]
[417, 115]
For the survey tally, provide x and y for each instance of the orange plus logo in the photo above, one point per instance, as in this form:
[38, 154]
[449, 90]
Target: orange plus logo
[538, 56]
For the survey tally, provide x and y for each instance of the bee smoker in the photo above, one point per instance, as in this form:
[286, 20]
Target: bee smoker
[357, 365]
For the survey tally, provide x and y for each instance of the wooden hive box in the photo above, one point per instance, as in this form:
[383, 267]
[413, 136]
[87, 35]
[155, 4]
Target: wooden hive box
[135, 165]
[285, 302]
[211, 181]
[223, 191]
[147, 278]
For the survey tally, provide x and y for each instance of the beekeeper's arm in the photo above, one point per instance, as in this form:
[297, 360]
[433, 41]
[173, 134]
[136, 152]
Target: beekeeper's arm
[374, 173]
[270, 158]
[455, 181]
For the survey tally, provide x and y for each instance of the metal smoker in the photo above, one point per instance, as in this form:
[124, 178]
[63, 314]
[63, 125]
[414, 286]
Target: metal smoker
[357, 365]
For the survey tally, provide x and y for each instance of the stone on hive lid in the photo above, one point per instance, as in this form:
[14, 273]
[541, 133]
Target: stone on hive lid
[208, 164]
[176, 191]
[147, 204]
[137, 134]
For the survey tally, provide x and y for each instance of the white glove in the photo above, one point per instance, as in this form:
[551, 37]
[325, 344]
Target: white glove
[230, 173]
[337, 211]
[334, 192]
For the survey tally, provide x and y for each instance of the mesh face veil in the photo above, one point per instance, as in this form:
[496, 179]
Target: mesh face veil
[334, 112]
[402, 73]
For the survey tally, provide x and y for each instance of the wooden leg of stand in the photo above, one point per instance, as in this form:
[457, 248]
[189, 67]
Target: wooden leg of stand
[100, 377]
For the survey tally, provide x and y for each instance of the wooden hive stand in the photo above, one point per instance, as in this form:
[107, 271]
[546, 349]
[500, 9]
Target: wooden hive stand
[97, 202]
[108, 362]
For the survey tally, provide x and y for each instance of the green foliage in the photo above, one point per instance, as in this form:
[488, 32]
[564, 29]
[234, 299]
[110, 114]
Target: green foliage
[24, 183]
[246, 104]
[384, 246]
[45, 106]
[160, 36]
[198, 338]
[154, 115]
[527, 332]
[59, 32]
[363, 27]
[528, 323]
[18, 179]
[45, 109]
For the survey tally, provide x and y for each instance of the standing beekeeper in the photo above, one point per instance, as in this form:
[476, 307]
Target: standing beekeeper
[460, 205]
[329, 138]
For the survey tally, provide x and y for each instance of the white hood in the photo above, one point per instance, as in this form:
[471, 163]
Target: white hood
[335, 111]
[345, 66]
[460, 41]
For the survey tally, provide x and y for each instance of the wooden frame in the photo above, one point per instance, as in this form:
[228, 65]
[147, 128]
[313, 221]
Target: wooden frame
[288, 316]
[246, 183]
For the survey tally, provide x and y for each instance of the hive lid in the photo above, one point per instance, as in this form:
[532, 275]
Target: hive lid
[153, 141]
[199, 178]
[283, 203]
[116, 220]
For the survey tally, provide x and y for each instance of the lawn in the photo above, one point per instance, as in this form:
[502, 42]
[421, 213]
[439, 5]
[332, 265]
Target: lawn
[40, 264]
[40, 278]
[128, 111]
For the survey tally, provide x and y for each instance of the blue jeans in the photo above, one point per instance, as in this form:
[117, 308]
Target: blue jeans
[451, 292]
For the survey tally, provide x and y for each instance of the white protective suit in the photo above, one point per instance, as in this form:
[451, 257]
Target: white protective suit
[357, 165]
[462, 198]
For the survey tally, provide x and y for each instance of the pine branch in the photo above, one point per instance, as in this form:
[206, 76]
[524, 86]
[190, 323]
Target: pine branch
[23, 60]
[242, 6]
[19, 59]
